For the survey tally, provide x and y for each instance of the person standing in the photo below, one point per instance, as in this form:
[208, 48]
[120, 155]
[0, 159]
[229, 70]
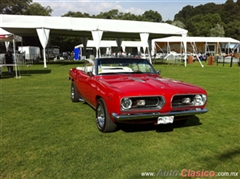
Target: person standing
[9, 60]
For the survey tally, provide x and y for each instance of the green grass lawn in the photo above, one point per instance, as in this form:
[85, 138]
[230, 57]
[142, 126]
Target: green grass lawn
[45, 135]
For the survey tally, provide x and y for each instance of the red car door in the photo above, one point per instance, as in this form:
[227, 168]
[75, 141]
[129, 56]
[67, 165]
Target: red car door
[87, 85]
[82, 84]
[91, 90]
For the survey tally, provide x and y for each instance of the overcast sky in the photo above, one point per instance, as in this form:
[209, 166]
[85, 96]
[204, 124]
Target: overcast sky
[167, 8]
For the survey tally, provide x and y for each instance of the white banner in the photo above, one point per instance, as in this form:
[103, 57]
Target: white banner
[144, 39]
[43, 35]
[97, 37]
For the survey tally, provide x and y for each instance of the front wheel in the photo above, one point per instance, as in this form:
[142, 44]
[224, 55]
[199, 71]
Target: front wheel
[104, 123]
[74, 93]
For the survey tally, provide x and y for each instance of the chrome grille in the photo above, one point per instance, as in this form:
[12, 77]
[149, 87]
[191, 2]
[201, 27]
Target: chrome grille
[150, 102]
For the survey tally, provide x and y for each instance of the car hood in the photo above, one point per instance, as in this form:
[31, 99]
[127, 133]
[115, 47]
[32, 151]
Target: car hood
[149, 85]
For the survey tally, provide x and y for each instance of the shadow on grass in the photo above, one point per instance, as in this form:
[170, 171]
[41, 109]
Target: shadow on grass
[220, 157]
[31, 72]
[62, 62]
[229, 155]
[162, 61]
[193, 121]
[5, 75]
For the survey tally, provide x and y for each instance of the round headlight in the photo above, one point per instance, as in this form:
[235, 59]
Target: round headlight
[199, 100]
[126, 103]
[204, 98]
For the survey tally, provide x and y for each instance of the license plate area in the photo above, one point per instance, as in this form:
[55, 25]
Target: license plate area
[165, 120]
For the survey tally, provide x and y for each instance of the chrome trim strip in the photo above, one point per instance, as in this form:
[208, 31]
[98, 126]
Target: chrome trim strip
[157, 114]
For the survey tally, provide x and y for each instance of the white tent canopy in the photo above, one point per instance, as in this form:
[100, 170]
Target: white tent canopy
[8, 37]
[195, 39]
[137, 44]
[103, 43]
[113, 43]
[227, 40]
[88, 27]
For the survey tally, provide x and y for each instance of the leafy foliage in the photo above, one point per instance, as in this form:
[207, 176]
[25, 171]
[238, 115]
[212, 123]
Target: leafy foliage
[233, 29]
[76, 14]
[14, 6]
[212, 19]
[217, 31]
[178, 24]
[183, 15]
[24, 7]
[152, 16]
[200, 25]
[38, 9]
[112, 14]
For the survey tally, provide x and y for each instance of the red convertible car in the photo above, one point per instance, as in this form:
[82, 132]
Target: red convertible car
[130, 90]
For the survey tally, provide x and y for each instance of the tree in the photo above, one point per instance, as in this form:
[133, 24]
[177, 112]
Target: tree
[229, 2]
[129, 16]
[233, 29]
[152, 16]
[38, 9]
[207, 8]
[178, 24]
[229, 11]
[200, 25]
[169, 21]
[76, 14]
[195, 18]
[184, 14]
[14, 6]
[217, 31]
[112, 14]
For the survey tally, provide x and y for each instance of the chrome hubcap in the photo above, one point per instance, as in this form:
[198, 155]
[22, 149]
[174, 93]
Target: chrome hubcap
[100, 115]
[72, 92]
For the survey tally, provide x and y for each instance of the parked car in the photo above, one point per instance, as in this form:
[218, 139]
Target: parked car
[66, 55]
[130, 90]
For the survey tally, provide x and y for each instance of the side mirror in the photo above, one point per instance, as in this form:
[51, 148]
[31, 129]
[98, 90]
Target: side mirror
[90, 73]
[159, 72]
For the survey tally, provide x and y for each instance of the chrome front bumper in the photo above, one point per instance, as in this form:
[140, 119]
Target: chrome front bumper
[158, 114]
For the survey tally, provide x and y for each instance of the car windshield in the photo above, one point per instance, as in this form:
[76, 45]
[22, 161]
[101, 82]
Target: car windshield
[126, 66]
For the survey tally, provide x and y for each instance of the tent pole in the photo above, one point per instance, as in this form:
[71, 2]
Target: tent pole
[185, 48]
[194, 50]
[15, 58]
[149, 54]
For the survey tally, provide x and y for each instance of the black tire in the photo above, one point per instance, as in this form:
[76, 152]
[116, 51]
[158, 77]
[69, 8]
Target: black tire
[103, 121]
[74, 93]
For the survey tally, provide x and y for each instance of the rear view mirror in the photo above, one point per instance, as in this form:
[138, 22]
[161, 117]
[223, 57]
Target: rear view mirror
[90, 73]
[159, 72]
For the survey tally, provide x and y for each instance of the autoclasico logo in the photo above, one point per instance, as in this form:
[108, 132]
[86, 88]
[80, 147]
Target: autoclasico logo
[169, 173]
[198, 173]
[189, 173]
[186, 173]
